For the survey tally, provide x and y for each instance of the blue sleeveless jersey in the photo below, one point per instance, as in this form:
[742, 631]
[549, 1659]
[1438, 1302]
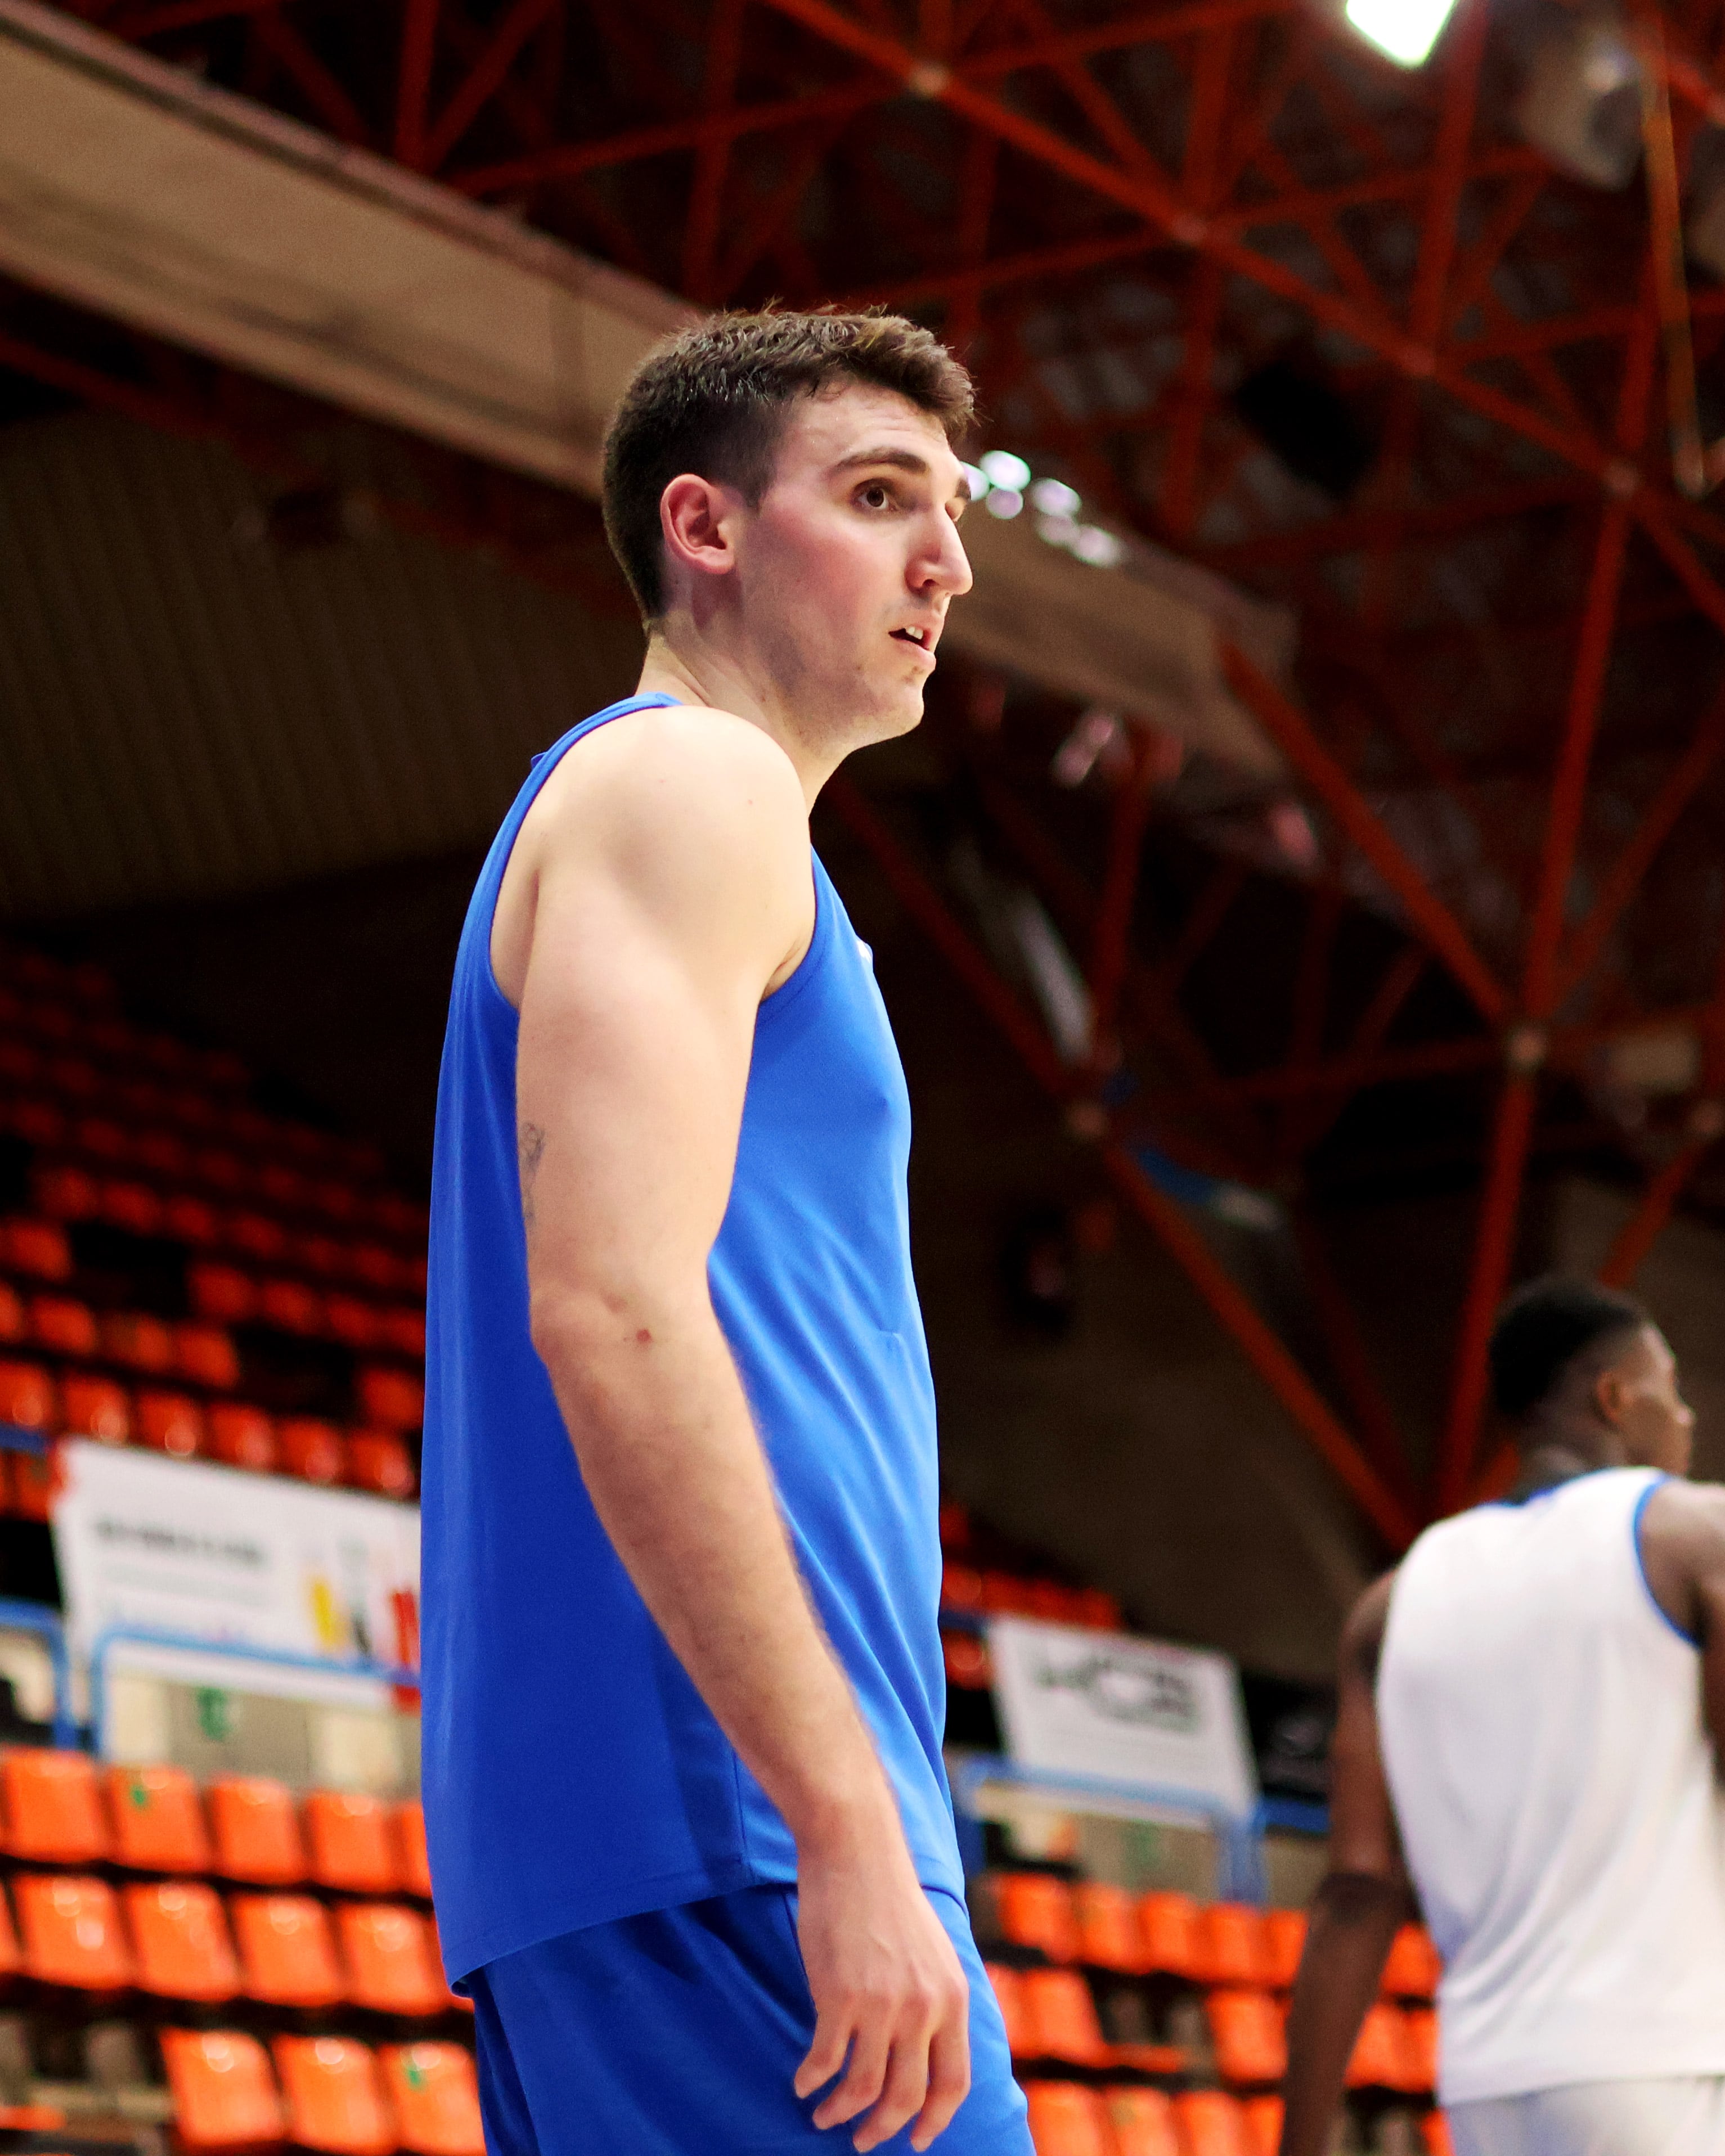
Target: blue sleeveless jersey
[572, 1772]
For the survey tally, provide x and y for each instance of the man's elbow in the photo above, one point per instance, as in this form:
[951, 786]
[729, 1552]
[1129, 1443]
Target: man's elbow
[1364, 1898]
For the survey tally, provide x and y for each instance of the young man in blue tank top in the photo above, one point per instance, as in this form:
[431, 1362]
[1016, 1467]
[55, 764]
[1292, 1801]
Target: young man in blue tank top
[1530, 1734]
[690, 1834]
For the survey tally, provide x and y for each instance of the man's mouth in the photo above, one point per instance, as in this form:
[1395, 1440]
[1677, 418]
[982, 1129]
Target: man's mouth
[919, 637]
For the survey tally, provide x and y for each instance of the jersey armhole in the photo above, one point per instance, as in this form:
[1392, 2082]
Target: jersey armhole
[1659, 1610]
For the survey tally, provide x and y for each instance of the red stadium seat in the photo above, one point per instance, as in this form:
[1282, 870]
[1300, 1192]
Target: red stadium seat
[1063, 2016]
[1010, 1996]
[351, 1846]
[390, 1398]
[1413, 1970]
[1231, 1944]
[254, 1234]
[14, 1324]
[72, 1934]
[1067, 2119]
[189, 1220]
[223, 2091]
[27, 1400]
[1167, 1924]
[1246, 2031]
[64, 1325]
[286, 1950]
[1143, 2122]
[256, 1830]
[204, 1355]
[169, 1422]
[1035, 1910]
[53, 1808]
[335, 2096]
[290, 1306]
[222, 1294]
[1108, 1933]
[133, 1206]
[67, 1193]
[181, 1942]
[381, 1462]
[413, 1862]
[95, 1407]
[391, 1959]
[35, 1484]
[404, 1331]
[158, 1820]
[1284, 1942]
[1381, 2056]
[434, 2093]
[316, 1451]
[354, 1323]
[1263, 2124]
[37, 1248]
[1211, 2124]
[241, 1437]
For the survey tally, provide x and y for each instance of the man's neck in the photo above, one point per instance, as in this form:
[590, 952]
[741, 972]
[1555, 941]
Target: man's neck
[696, 672]
[1560, 1447]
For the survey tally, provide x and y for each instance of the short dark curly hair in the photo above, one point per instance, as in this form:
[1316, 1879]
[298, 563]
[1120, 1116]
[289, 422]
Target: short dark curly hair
[712, 399]
[1543, 1329]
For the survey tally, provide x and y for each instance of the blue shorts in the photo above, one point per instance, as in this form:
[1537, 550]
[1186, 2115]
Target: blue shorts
[678, 2033]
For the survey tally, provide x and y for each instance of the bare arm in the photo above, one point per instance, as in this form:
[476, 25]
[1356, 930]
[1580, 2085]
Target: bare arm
[661, 900]
[1683, 1556]
[1364, 1900]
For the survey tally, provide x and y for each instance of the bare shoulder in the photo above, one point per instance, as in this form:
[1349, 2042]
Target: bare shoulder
[1684, 1520]
[1363, 1634]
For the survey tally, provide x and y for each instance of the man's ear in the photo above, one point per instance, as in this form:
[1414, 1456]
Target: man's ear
[698, 519]
[1609, 1397]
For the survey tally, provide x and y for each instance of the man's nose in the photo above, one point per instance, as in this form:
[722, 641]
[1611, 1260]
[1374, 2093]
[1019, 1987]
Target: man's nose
[948, 566]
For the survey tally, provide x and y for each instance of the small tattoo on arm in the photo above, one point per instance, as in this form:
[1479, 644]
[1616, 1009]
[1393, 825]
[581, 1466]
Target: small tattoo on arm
[530, 1147]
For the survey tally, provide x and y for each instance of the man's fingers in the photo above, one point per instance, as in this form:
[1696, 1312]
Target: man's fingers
[902, 2097]
[948, 2079]
[863, 2077]
[825, 2056]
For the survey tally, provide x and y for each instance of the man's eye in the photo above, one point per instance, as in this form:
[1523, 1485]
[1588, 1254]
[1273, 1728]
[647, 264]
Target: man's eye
[875, 495]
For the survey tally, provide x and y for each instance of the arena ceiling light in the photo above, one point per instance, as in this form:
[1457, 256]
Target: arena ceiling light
[1404, 31]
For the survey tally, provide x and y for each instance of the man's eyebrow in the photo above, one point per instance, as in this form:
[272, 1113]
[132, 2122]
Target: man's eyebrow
[905, 461]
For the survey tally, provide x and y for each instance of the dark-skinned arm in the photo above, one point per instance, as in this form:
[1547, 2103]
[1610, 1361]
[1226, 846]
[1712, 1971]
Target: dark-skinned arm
[1683, 1558]
[1364, 1901]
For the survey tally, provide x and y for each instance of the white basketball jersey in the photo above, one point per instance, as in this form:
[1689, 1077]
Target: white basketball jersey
[1541, 1731]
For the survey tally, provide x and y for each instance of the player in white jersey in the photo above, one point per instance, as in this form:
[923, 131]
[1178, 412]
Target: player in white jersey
[1528, 1746]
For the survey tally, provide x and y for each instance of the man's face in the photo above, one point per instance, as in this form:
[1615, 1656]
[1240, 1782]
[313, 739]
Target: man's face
[846, 568]
[1638, 1394]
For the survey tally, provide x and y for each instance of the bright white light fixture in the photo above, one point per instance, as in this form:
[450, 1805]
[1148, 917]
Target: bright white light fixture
[976, 482]
[1403, 30]
[1100, 548]
[1004, 502]
[1001, 468]
[1054, 498]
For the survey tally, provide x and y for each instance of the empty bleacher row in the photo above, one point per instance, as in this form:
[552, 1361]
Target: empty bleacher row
[246, 1967]
[1153, 2025]
[179, 1269]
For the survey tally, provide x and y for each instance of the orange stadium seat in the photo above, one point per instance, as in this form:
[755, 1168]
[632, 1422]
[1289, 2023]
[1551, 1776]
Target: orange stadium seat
[181, 1942]
[204, 1355]
[354, 1323]
[1143, 2122]
[169, 1422]
[1419, 2032]
[158, 1820]
[413, 1860]
[256, 1830]
[241, 1437]
[434, 2093]
[72, 1934]
[12, 1957]
[39, 1248]
[1067, 2119]
[221, 1294]
[1108, 1933]
[35, 1484]
[95, 1407]
[1284, 1942]
[67, 1193]
[404, 1330]
[286, 1950]
[290, 1306]
[64, 1325]
[189, 1220]
[378, 1461]
[1063, 2016]
[390, 1398]
[1246, 2031]
[335, 2096]
[133, 1206]
[1167, 1924]
[1434, 2131]
[1413, 1968]
[351, 1845]
[254, 1235]
[1263, 2124]
[1010, 1996]
[15, 1325]
[27, 1397]
[391, 1959]
[1231, 1944]
[1381, 2056]
[53, 1808]
[140, 1342]
[1035, 1910]
[316, 1451]
[1211, 2124]
[223, 2091]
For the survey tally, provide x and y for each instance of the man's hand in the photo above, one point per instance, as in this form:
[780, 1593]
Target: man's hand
[890, 1996]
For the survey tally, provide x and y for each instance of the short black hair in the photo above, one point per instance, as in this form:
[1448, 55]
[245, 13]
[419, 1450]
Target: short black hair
[712, 399]
[1541, 1330]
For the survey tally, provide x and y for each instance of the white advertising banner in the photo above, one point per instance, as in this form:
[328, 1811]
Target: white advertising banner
[1098, 1704]
[222, 1556]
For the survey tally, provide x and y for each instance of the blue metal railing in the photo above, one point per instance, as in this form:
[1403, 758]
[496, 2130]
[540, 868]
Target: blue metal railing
[135, 1635]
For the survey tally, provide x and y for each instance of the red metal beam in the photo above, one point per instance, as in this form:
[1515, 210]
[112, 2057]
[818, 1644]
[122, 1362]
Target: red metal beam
[1641, 1230]
[701, 228]
[1292, 733]
[413, 92]
[1111, 940]
[485, 77]
[1372, 1415]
